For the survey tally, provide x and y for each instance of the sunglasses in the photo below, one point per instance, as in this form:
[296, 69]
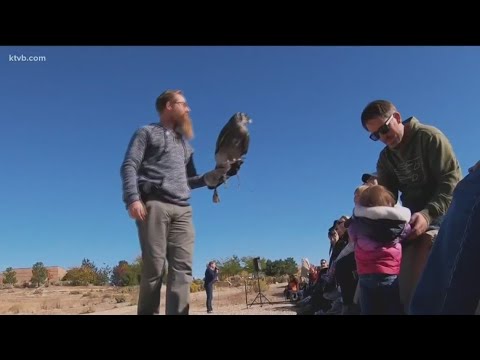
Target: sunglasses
[384, 129]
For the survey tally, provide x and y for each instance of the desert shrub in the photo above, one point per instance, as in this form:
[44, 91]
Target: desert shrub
[15, 309]
[195, 287]
[88, 310]
[9, 276]
[282, 278]
[90, 294]
[270, 280]
[134, 300]
[120, 298]
[87, 274]
[236, 281]
[263, 285]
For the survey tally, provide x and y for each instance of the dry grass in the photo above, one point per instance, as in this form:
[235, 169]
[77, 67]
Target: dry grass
[89, 310]
[15, 309]
[94, 299]
[120, 298]
[64, 299]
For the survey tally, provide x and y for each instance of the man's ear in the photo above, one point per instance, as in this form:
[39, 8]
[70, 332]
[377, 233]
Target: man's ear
[398, 117]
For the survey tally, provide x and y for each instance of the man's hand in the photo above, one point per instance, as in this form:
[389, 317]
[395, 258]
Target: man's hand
[137, 210]
[419, 225]
[474, 167]
[216, 176]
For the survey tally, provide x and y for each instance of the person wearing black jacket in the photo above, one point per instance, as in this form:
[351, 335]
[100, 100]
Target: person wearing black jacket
[211, 276]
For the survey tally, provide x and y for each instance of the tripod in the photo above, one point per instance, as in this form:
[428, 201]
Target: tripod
[260, 297]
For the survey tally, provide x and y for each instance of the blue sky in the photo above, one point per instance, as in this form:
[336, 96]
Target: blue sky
[66, 123]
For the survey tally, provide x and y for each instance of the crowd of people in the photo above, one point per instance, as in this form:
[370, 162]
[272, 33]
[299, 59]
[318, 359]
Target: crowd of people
[394, 252]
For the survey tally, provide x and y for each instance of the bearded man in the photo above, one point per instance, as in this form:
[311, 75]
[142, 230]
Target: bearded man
[158, 174]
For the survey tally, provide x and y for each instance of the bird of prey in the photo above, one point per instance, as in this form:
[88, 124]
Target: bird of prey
[232, 145]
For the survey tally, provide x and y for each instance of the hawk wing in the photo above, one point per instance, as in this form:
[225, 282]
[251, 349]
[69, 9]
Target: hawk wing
[222, 136]
[246, 143]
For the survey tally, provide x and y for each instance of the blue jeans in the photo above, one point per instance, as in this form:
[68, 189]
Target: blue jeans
[379, 295]
[449, 283]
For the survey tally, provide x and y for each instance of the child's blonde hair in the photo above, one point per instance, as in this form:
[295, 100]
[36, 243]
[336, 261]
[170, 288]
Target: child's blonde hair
[376, 195]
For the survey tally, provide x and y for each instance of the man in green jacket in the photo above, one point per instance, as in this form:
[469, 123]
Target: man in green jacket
[418, 161]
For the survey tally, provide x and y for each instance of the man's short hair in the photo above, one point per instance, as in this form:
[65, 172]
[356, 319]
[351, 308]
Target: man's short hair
[166, 96]
[377, 108]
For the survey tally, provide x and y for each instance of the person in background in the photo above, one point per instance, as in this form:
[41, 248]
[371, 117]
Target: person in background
[211, 276]
[370, 178]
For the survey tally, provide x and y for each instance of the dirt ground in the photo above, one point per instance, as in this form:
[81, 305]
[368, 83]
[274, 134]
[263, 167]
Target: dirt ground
[107, 300]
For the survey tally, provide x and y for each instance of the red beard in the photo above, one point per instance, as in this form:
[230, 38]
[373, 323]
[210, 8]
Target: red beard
[185, 126]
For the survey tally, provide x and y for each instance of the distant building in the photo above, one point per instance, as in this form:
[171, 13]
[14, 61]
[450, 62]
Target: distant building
[23, 275]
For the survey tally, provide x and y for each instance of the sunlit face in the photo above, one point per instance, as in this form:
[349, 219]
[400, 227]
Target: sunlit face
[180, 112]
[389, 131]
[180, 108]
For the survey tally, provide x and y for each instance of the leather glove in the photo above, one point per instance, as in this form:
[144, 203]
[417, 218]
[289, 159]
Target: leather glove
[216, 176]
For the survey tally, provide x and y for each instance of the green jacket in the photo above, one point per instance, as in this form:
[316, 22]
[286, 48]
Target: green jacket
[424, 169]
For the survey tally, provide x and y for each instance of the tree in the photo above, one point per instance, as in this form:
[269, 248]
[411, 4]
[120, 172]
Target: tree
[281, 267]
[87, 264]
[103, 275]
[291, 266]
[125, 274]
[269, 268]
[9, 276]
[230, 267]
[78, 276]
[119, 273]
[39, 274]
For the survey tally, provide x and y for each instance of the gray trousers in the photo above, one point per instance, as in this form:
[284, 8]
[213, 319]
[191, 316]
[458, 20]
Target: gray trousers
[166, 234]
